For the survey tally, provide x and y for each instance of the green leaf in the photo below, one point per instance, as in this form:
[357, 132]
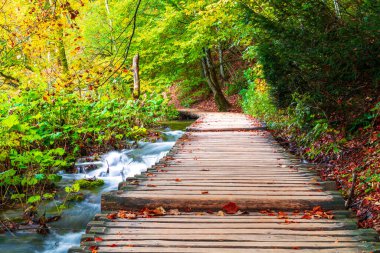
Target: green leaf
[18, 196]
[34, 199]
[48, 196]
[39, 176]
[10, 121]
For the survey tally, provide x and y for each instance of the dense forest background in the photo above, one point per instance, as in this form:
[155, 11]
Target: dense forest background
[309, 69]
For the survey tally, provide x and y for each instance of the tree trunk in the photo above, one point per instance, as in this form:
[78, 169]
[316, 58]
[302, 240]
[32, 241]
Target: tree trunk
[221, 64]
[212, 80]
[337, 8]
[62, 53]
[110, 23]
[136, 77]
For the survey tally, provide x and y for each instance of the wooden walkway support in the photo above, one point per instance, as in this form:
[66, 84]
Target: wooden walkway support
[227, 158]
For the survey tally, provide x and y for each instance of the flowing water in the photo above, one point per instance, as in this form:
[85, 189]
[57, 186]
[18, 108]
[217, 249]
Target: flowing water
[67, 232]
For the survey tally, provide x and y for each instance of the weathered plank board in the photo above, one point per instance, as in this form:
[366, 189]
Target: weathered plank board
[227, 157]
[255, 232]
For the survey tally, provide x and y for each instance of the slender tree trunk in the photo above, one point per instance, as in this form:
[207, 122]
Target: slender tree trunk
[221, 62]
[212, 80]
[62, 59]
[110, 23]
[136, 77]
[337, 8]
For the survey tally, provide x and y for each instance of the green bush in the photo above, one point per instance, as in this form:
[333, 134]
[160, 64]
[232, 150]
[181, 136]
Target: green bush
[42, 133]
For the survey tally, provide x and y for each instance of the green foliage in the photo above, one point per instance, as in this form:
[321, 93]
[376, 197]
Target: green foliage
[256, 99]
[42, 133]
[311, 48]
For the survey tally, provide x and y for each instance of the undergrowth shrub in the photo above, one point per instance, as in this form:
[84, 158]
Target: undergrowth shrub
[42, 133]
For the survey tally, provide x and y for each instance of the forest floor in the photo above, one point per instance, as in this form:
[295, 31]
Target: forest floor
[208, 104]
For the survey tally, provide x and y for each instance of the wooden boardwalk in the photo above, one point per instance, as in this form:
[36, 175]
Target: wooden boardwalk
[227, 158]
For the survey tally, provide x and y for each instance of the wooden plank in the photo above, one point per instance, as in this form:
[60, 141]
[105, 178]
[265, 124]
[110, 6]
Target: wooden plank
[153, 249]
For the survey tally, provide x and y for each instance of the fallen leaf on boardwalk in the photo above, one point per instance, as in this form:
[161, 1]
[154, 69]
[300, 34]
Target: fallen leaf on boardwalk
[231, 208]
[209, 212]
[178, 180]
[317, 213]
[112, 216]
[112, 245]
[152, 185]
[145, 212]
[98, 239]
[126, 215]
[282, 215]
[174, 212]
[306, 216]
[290, 221]
[159, 211]
[150, 174]
[205, 170]
[134, 182]
[220, 213]
[204, 192]
[94, 249]
[296, 247]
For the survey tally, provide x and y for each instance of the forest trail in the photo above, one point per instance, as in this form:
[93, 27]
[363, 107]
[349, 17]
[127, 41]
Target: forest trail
[226, 161]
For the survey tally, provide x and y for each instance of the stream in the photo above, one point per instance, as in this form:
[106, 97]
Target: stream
[67, 231]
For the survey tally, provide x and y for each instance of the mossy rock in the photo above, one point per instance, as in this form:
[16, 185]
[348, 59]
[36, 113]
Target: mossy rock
[78, 197]
[89, 184]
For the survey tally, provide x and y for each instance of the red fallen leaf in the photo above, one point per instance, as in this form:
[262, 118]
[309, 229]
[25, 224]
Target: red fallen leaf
[282, 215]
[296, 247]
[209, 212]
[112, 216]
[317, 208]
[150, 174]
[88, 239]
[152, 185]
[98, 239]
[178, 180]
[94, 249]
[231, 208]
[204, 192]
[306, 216]
[112, 245]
